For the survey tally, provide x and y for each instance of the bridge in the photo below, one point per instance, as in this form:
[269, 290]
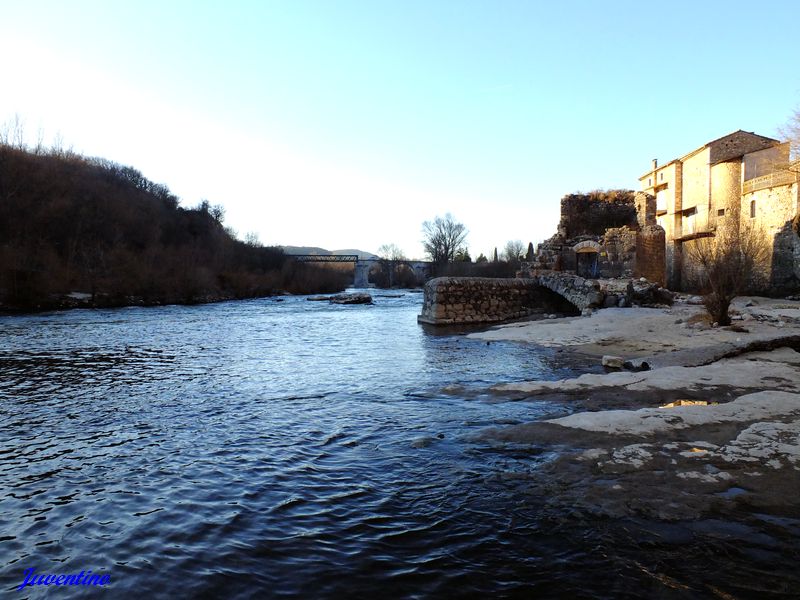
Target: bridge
[421, 269]
[452, 300]
[325, 258]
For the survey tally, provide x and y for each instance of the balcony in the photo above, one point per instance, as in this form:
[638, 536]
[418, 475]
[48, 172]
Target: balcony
[767, 181]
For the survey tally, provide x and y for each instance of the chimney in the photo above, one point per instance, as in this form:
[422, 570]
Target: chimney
[655, 164]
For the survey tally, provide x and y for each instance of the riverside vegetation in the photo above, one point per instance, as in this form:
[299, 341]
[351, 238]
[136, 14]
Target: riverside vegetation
[70, 223]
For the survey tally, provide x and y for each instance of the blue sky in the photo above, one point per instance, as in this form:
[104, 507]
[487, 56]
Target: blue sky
[346, 124]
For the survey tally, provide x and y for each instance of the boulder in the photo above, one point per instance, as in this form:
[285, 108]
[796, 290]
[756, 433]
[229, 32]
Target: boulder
[646, 293]
[355, 298]
[613, 362]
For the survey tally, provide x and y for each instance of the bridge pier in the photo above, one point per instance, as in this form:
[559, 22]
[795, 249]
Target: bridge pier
[361, 277]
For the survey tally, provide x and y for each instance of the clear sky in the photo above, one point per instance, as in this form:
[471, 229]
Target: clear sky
[346, 124]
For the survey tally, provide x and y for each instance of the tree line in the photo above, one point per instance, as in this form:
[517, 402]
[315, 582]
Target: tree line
[71, 223]
[444, 241]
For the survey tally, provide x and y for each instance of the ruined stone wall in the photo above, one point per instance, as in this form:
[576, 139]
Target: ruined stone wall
[593, 213]
[464, 300]
[651, 257]
[454, 300]
[645, 205]
[618, 254]
[450, 300]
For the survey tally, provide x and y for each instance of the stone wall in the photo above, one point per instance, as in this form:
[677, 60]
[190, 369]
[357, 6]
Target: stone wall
[651, 257]
[593, 213]
[458, 300]
[618, 252]
[450, 300]
[645, 205]
[736, 144]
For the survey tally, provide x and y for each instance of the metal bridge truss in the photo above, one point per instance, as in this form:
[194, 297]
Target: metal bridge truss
[324, 258]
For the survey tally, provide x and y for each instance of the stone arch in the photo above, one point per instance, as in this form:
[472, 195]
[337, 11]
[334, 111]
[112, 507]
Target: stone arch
[587, 256]
[578, 291]
[361, 273]
[586, 246]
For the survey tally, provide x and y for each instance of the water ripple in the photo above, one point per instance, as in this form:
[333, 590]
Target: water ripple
[297, 449]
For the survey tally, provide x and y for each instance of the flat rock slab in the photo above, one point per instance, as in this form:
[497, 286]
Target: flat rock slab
[356, 298]
[649, 421]
[779, 370]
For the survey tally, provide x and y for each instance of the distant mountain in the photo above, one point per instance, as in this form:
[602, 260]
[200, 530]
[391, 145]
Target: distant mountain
[314, 250]
[304, 250]
[361, 254]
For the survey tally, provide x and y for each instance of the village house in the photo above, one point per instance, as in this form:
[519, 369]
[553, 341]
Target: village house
[733, 181]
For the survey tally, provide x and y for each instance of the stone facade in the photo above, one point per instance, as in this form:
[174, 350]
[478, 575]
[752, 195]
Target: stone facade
[731, 182]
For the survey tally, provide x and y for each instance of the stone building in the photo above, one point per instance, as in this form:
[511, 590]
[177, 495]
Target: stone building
[606, 234]
[733, 181]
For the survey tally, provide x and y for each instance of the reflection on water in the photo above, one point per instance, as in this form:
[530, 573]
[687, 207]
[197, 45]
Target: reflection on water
[293, 449]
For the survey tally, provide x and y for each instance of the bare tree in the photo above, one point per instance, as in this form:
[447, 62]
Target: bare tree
[251, 239]
[513, 251]
[391, 252]
[390, 255]
[12, 133]
[443, 237]
[791, 133]
[729, 263]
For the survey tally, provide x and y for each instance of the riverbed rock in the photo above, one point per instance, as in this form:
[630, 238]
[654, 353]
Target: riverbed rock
[354, 298]
[647, 294]
[613, 362]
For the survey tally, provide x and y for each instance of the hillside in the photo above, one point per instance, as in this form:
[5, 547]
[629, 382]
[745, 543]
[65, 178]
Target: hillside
[74, 224]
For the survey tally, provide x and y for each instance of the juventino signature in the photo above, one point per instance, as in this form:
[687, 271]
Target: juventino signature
[82, 578]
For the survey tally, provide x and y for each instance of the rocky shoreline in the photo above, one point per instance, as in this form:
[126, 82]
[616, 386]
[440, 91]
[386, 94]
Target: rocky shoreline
[728, 442]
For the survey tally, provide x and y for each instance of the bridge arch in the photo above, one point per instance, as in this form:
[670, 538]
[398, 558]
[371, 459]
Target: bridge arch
[450, 300]
[363, 267]
[578, 291]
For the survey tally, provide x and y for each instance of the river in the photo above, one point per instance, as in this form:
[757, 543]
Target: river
[283, 448]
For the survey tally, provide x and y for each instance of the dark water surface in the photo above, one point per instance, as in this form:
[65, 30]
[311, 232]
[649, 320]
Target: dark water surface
[296, 449]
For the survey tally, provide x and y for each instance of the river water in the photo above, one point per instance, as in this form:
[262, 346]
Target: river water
[284, 448]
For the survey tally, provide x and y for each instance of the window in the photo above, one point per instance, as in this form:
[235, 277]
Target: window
[649, 182]
[752, 209]
[721, 212]
[662, 176]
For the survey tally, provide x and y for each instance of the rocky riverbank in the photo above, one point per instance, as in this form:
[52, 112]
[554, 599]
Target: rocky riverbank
[712, 425]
